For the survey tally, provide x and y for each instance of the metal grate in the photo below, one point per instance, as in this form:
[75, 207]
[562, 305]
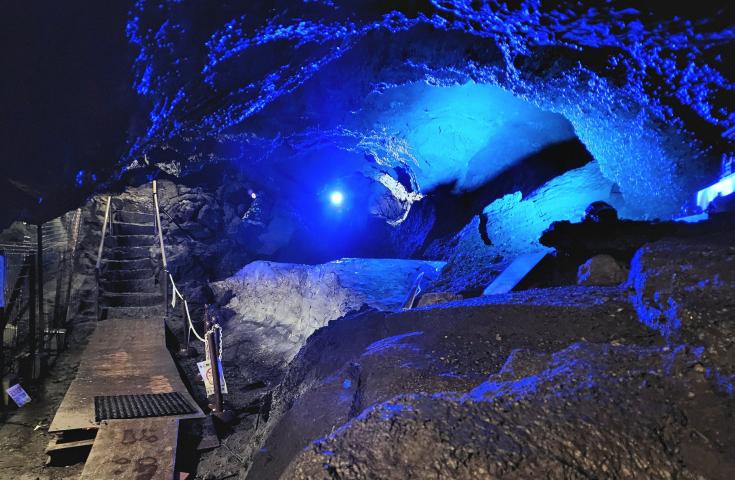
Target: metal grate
[110, 407]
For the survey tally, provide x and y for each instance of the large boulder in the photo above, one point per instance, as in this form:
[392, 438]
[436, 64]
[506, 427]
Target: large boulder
[274, 307]
[601, 270]
[567, 415]
[684, 289]
[370, 357]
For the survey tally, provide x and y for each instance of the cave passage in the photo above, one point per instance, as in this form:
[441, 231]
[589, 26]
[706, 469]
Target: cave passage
[354, 240]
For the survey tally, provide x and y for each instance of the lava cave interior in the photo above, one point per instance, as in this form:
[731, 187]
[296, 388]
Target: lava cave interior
[425, 239]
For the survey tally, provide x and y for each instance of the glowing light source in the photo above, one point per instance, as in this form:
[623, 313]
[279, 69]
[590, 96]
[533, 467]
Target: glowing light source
[724, 187]
[336, 197]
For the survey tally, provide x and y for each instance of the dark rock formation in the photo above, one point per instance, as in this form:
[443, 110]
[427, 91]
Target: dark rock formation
[577, 242]
[435, 298]
[601, 270]
[588, 411]
[684, 289]
[369, 357]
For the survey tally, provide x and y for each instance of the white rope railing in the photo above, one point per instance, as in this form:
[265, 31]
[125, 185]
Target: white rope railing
[174, 294]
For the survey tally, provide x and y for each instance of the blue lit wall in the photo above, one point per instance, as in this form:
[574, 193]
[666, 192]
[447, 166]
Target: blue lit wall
[466, 134]
[637, 87]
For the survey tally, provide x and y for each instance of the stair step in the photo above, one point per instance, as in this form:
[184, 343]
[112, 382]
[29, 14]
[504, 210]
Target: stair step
[124, 228]
[129, 216]
[133, 274]
[131, 299]
[136, 285]
[131, 240]
[138, 264]
[133, 312]
[127, 253]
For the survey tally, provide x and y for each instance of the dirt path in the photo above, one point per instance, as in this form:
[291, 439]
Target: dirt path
[24, 433]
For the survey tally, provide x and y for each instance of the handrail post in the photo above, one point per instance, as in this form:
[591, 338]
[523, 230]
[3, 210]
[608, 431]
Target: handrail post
[104, 232]
[99, 253]
[32, 299]
[160, 230]
[39, 278]
[212, 341]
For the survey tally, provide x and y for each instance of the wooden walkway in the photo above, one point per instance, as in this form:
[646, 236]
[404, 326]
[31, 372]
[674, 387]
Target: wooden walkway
[140, 449]
[124, 357]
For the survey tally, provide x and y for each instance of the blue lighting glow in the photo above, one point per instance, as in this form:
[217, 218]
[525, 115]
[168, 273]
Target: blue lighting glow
[722, 188]
[336, 197]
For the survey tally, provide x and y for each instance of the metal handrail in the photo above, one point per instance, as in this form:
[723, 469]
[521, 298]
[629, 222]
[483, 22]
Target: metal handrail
[168, 277]
[97, 267]
[104, 232]
[158, 225]
[212, 341]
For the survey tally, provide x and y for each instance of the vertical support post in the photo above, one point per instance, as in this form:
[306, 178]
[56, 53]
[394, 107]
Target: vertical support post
[39, 276]
[3, 318]
[212, 349]
[70, 266]
[111, 215]
[186, 323]
[158, 222]
[104, 232]
[32, 304]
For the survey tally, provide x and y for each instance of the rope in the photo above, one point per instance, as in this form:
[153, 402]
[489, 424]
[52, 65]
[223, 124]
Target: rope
[176, 293]
[191, 326]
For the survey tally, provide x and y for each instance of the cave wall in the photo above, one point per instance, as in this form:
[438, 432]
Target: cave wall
[646, 103]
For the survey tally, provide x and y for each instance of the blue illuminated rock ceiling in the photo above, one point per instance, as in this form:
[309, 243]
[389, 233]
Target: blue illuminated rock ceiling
[647, 90]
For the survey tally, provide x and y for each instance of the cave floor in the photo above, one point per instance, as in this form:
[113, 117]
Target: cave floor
[24, 434]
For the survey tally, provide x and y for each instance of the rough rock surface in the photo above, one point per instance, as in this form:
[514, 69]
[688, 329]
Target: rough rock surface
[370, 357]
[437, 297]
[601, 270]
[512, 225]
[684, 289]
[632, 81]
[588, 411]
[275, 307]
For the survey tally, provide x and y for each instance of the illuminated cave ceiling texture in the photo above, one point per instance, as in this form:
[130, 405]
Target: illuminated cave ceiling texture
[445, 91]
[410, 95]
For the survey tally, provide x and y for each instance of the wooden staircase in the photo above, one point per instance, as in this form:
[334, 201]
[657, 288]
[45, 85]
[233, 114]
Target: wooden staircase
[126, 355]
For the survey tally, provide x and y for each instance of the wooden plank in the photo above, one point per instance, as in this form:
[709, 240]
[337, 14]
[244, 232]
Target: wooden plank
[140, 449]
[124, 357]
[514, 273]
[55, 445]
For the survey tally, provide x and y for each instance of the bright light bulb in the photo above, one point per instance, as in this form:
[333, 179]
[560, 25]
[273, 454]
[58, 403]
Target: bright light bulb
[336, 198]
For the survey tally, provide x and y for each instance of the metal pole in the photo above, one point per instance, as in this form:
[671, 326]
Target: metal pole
[39, 258]
[32, 304]
[73, 256]
[158, 220]
[104, 232]
[213, 361]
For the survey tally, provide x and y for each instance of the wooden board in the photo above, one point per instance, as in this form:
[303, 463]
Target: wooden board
[140, 449]
[514, 273]
[55, 445]
[124, 357]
